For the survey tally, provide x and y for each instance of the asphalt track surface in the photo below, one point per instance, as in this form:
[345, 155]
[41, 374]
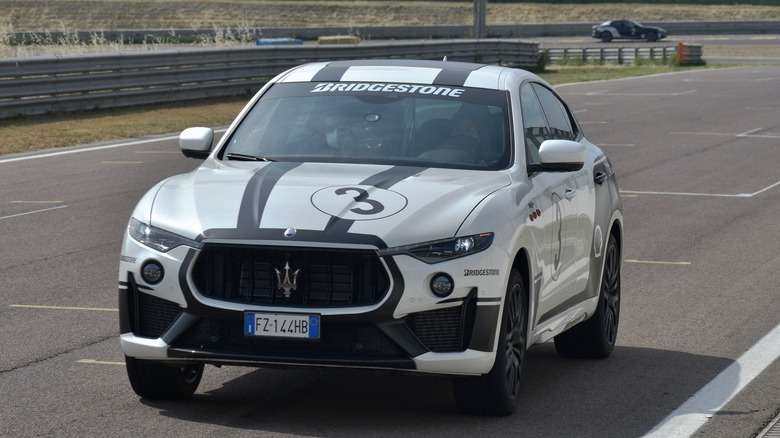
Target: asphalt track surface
[697, 157]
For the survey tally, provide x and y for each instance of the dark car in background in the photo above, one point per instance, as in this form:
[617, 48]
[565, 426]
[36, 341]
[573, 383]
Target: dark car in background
[627, 29]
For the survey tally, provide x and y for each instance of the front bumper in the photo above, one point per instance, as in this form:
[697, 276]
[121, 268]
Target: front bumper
[406, 331]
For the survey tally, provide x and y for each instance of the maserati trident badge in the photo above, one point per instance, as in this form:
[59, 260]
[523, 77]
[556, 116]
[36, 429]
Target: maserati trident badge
[287, 284]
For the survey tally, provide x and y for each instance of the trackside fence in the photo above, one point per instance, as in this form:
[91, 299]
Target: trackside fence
[42, 85]
[615, 55]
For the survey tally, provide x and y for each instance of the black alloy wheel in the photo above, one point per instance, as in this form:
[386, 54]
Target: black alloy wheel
[595, 338]
[497, 393]
[163, 382]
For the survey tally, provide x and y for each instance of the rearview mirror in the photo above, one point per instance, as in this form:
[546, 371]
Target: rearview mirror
[196, 142]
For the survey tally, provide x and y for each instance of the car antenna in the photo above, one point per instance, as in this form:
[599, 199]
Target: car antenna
[445, 58]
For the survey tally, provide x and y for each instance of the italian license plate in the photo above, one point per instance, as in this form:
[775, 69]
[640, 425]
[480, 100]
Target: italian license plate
[282, 325]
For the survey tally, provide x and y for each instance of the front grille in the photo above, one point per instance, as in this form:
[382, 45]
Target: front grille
[346, 343]
[155, 315]
[301, 277]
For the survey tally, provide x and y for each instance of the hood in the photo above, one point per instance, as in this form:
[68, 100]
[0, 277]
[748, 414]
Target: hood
[325, 202]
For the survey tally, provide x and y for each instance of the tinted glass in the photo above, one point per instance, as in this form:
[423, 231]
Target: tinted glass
[535, 128]
[397, 124]
[557, 116]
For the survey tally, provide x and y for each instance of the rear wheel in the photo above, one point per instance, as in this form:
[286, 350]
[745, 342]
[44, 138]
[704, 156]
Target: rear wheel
[496, 393]
[595, 338]
[652, 36]
[155, 381]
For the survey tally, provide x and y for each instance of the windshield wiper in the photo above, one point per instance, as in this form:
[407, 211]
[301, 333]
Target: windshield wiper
[245, 157]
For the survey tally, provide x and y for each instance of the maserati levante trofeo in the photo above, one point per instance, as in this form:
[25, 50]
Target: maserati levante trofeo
[412, 216]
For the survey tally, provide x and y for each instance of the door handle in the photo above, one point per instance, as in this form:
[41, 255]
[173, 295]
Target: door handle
[569, 193]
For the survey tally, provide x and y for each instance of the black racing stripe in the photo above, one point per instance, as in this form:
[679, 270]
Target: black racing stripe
[331, 73]
[256, 195]
[392, 176]
[456, 76]
[382, 180]
[336, 231]
[272, 234]
[338, 227]
[453, 73]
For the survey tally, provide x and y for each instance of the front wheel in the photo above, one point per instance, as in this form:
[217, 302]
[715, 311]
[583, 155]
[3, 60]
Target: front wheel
[164, 382]
[606, 37]
[496, 393]
[595, 338]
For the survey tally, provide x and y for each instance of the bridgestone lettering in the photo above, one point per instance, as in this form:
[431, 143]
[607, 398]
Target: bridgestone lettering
[388, 88]
[479, 272]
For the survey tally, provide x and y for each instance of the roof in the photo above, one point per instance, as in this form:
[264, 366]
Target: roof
[460, 74]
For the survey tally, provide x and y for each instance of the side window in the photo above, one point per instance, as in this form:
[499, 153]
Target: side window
[558, 116]
[534, 124]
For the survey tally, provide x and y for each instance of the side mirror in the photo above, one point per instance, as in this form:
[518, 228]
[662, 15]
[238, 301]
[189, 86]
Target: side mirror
[196, 142]
[559, 156]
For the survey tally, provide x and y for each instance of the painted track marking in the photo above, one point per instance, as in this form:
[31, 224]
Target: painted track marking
[709, 400]
[33, 212]
[716, 195]
[96, 148]
[31, 306]
[656, 262]
[98, 362]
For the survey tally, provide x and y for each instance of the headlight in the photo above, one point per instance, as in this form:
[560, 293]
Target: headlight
[157, 238]
[445, 249]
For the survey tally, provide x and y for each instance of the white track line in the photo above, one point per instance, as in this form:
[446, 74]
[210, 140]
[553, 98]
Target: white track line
[96, 148]
[88, 149]
[694, 413]
[717, 195]
[33, 212]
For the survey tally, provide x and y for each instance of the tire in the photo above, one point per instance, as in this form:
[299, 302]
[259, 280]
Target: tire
[595, 338]
[606, 37]
[652, 36]
[163, 382]
[496, 393]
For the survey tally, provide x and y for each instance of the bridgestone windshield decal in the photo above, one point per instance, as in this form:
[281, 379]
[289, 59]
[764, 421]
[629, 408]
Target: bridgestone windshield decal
[388, 88]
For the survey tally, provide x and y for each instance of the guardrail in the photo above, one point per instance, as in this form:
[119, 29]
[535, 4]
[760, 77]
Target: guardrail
[48, 84]
[616, 55]
[682, 53]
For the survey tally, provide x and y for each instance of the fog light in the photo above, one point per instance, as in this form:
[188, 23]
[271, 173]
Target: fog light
[152, 272]
[442, 285]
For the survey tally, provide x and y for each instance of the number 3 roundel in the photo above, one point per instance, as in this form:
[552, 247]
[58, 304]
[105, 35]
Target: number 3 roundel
[358, 202]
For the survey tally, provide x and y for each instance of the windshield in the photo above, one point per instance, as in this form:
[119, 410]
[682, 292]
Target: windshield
[396, 124]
